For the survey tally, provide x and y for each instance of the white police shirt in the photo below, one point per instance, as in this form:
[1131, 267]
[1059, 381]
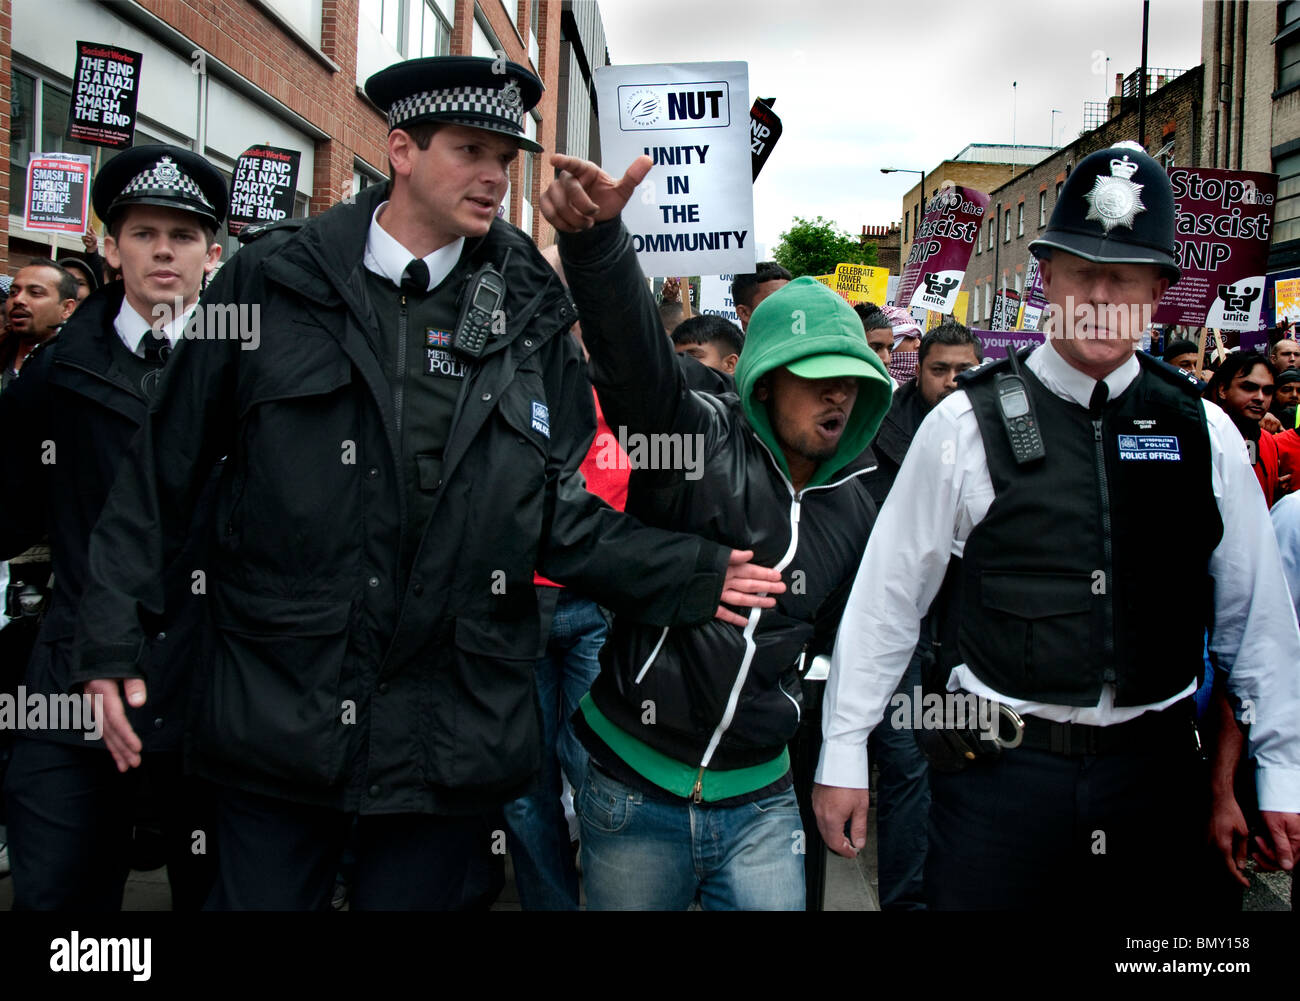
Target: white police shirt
[1285, 516]
[131, 327]
[926, 520]
[387, 258]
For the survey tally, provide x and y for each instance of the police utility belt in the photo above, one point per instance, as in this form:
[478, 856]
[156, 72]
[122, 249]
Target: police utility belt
[952, 748]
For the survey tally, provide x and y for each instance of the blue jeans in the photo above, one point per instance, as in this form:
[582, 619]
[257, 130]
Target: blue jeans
[648, 854]
[545, 874]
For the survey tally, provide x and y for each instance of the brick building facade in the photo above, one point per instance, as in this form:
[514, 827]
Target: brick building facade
[888, 241]
[219, 76]
[1019, 210]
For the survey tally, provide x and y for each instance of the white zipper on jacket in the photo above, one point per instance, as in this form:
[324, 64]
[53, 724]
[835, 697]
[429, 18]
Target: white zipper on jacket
[651, 659]
[796, 498]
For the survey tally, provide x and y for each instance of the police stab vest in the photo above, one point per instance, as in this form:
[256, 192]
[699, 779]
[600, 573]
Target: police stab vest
[1068, 581]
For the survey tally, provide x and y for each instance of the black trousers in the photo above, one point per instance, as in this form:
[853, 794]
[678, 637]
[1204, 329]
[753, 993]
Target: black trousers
[71, 817]
[276, 855]
[1037, 831]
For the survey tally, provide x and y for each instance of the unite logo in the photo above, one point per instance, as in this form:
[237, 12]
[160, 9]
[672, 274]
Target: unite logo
[650, 106]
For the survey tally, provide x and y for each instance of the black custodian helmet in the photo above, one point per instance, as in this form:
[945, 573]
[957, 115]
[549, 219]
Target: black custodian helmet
[1117, 206]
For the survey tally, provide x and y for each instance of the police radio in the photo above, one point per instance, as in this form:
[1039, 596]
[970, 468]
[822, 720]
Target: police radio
[1017, 414]
[483, 296]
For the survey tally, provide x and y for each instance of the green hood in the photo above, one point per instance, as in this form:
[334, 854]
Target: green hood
[802, 320]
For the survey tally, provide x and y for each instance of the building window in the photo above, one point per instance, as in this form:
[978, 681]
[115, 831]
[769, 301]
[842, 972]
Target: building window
[916, 218]
[1059, 186]
[988, 301]
[1042, 209]
[36, 100]
[1288, 45]
[907, 218]
[1286, 212]
[1007, 237]
[413, 27]
[1020, 220]
[990, 234]
[979, 244]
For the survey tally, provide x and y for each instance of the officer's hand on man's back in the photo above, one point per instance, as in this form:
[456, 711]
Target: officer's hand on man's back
[583, 194]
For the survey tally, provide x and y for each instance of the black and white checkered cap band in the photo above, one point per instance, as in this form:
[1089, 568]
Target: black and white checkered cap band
[166, 179]
[462, 101]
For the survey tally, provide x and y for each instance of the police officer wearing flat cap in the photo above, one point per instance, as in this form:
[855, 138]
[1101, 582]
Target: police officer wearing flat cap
[396, 468]
[1021, 511]
[69, 420]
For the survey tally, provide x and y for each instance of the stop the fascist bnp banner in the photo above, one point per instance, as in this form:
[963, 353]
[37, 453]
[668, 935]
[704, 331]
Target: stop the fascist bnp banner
[265, 180]
[694, 212]
[1223, 224]
[105, 87]
[936, 265]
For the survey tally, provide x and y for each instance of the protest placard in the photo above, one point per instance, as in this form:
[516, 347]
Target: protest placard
[1286, 296]
[936, 265]
[861, 283]
[996, 342]
[105, 87]
[1223, 224]
[764, 131]
[694, 212]
[715, 297]
[933, 319]
[265, 180]
[1035, 302]
[58, 193]
[1006, 307]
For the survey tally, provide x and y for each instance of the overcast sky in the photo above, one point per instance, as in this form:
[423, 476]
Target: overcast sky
[865, 84]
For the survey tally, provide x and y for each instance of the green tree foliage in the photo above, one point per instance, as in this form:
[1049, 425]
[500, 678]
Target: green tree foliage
[814, 247]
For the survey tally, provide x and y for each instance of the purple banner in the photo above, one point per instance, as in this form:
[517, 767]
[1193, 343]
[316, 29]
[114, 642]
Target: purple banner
[1223, 224]
[996, 342]
[933, 272]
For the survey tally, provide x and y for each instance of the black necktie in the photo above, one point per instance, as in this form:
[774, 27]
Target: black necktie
[1100, 394]
[156, 347]
[416, 277]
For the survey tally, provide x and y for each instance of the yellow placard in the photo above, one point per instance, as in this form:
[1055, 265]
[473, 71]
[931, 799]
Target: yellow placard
[1287, 292]
[933, 319]
[827, 280]
[861, 283]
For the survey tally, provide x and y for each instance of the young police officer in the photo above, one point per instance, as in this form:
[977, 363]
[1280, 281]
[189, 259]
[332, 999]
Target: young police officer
[69, 419]
[1048, 572]
[403, 450]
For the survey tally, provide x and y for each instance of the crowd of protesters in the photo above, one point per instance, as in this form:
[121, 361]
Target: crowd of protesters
[494, 626]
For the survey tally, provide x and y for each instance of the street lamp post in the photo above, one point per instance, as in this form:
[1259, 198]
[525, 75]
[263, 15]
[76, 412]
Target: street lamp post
[921, 200]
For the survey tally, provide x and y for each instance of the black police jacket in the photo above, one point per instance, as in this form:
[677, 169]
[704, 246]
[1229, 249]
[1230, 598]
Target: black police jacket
[325, 684]
[68, 423]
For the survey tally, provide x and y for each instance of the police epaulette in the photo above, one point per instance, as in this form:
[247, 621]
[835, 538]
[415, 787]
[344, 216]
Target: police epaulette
[250, 233]
[1184, 380]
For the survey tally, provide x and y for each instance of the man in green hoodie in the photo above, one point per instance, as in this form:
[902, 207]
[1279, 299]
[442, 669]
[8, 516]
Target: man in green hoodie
[689, 797]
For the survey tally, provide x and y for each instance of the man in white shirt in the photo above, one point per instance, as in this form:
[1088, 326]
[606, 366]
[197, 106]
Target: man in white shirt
[1049, 584]
[70, 418]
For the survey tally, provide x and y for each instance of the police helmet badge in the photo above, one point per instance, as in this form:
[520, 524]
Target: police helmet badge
[1116, 200]
[166, 173]
[511, 97]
